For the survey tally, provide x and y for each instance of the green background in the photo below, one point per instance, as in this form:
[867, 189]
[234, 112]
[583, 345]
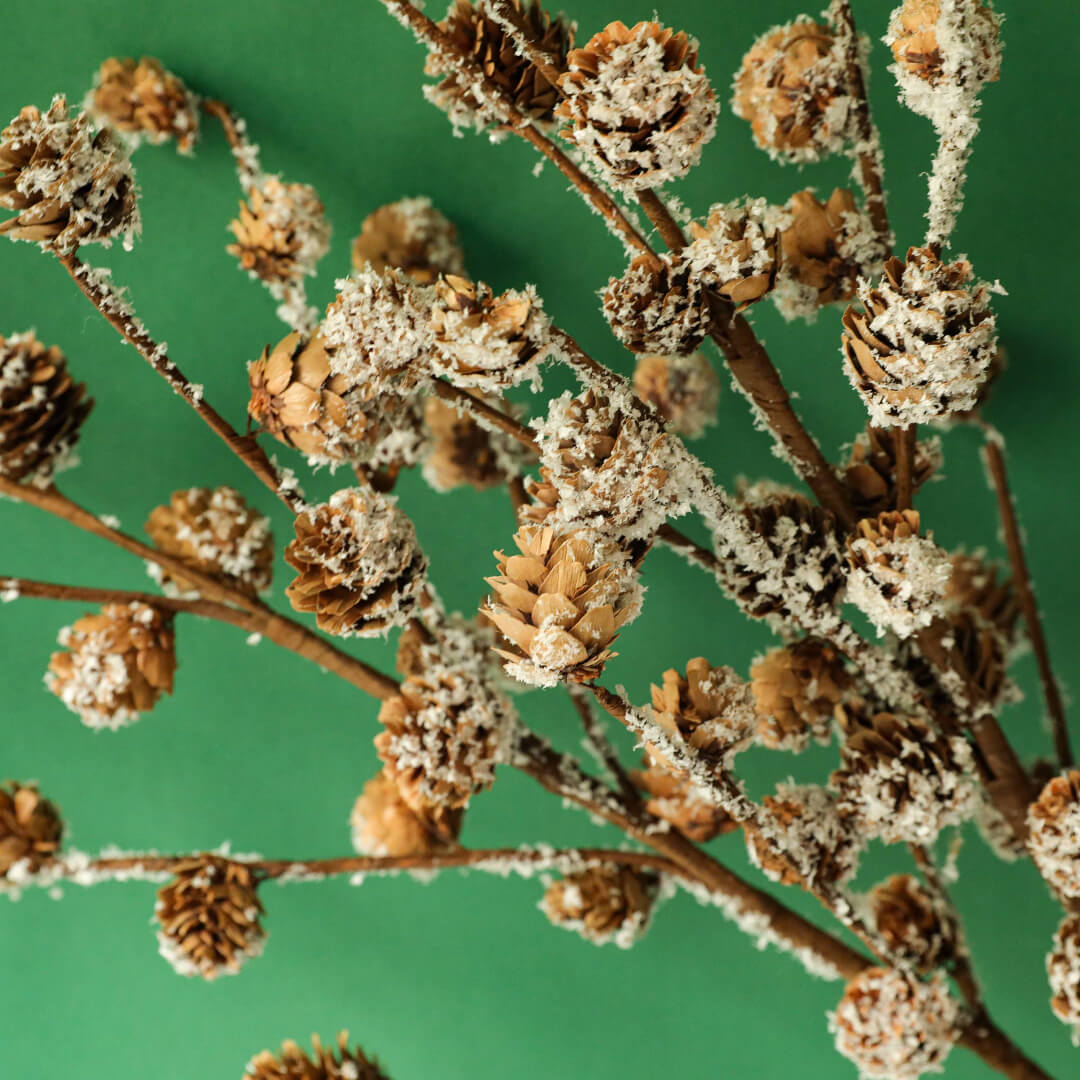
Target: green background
[464, 977]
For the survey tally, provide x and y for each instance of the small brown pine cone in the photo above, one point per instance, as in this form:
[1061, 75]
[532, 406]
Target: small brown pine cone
[657, 309]
[1063, 971]
[736, 252]
[544, 496]
[1054, 833]
[915, 926]
[560, 604]
[117, 666]
[677, 800]
[30, 828]
[959, 48]
[638, 104]
[281, 232]
[870, 474]
[796, 691]
[894, 1026]
[900, 780]
[791, 90]
[358, 564]
[603, 904]
[974, 588]
[411, 235]
[684, 390]
[924, 345]
[145, 100]
[67, 185]
[383, 823]
[293, 1063]
[464, 454]
[42, 410]
[216, 533]
[474, 32]
[208, 917]
[487, 341]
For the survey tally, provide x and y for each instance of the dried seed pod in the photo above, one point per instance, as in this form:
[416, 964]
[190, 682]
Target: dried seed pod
[603, 904]
[870, 474]
[684, 390]
[217, 534]
[209, 917]
[915, 926]
[30, 828]
[925, 343]
[1054, 833]
[792, 90]
[42, 410]
[410, 235]
[901, 781]
[293, 1063]
[1063, 971]
[638, 104]
[560, 604]
[675, 799]
[145, 101]
[465, 454]
[67, 185]
[796, 690]
[118, 664]
[658, 308]
[358, 564]
[898, 578]
[384, 824]
[895, 1027]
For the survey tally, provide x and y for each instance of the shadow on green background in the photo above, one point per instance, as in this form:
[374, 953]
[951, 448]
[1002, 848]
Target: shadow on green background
[464, 978]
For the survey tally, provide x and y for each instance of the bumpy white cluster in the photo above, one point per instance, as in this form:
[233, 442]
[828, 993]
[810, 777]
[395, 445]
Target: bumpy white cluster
[1054, 833]
[1063, 972]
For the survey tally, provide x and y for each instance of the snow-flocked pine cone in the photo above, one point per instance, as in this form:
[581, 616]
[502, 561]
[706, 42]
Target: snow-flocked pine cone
[736, 252]
[923, 347]
[293, 1063]
[805, 840]
[42, 410]
[658, 308]
[472, 29]
[900, 780]
[384, 824]
[974, 587]
[915, 926]
[684, 390]
[30, 828]
[603, 904]
[117, 665]
[217, 534]
[638, 104]
[870, 474]
[411, 235]
[791, 90]
[894, 1026]
[1063, 972]
[1054, 833]
[67, 185]
[359, 566]
[484, 340]
[543, 500]
[464, 453]
[560, 604]
[796, 690]
[898, 578]
[144, 100]
[208, 917]
[677, 800]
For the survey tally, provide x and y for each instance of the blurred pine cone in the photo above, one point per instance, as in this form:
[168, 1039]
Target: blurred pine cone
[915, 927]
[736, 252]
[603, 904]
[678, 801]
[1054, 833]
[1063, 971]
[145, 100]
[30, 828]
[973, 587]
[325, 1064]
[870, 474]
[384, 824]
[684, 390]
[411, 235]
[465, 454]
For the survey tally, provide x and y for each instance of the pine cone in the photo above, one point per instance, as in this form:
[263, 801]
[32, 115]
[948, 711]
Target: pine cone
[973, 587]
[30, 828]
[281, 233]
[1054, 833]
[684, 390]
[965, 55]
[217, 534]
[478, 35]
[901, 781]
[560, 605]
[411, 235]
[675, 799]
[146, 101]
[603, 904]
[898, 578]
[1063, 971]
[870, 474]
[736, 253]
[654, 310]
[796, 691]
[463, 453]
[358, 564]
[68, 186]
[638, 104]
[923, 348]
[895, 1027]
[383, 823]
[209, 917]
[326, 1064]
[120, 663]
[915, 927]
[41, 410]
[544, 496]
[487, 341]
[791, 90]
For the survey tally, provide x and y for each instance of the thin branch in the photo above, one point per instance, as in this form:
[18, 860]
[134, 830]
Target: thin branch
[658, 213]
[245, 152]
[471, 403]
[597, 738]
[904, 444]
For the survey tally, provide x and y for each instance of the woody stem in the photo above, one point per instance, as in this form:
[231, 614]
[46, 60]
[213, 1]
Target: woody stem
[904, 443]
[245, 152]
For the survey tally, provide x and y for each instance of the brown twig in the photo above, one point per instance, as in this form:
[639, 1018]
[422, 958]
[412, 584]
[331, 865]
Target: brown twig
[245, 152]
[658, 213]
[594, 733]
[471, 403]
[904, 445]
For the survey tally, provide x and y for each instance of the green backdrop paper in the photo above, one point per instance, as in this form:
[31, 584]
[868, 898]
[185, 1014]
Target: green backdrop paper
[464, 978]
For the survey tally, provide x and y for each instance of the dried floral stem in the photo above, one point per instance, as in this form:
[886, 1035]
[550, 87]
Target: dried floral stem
[510, 19]
[658, 213]
[245, 152]
[598, 740]
[904, 442]
[462, 399]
